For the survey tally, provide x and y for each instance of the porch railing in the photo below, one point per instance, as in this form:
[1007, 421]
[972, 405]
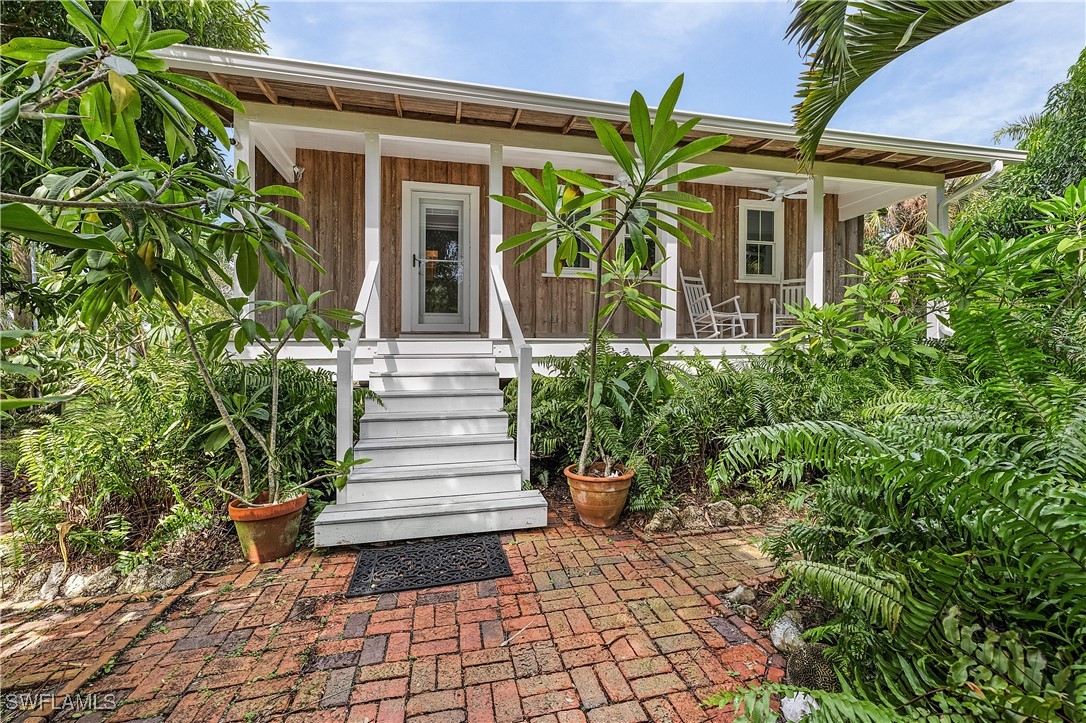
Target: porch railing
[345, 432]
[523, 357]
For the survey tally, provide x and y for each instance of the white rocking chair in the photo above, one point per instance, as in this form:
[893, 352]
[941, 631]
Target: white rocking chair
[708, 320]
[791, 293]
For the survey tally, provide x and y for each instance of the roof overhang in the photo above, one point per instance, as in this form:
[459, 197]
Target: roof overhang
[307, 84]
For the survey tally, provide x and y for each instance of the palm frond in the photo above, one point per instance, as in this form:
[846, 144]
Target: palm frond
[848, 41]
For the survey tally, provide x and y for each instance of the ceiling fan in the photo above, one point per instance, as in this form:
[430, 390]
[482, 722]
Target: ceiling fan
[781, 191]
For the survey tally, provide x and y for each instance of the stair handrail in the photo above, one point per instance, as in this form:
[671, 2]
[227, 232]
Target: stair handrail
[345, 362]
[523, 352]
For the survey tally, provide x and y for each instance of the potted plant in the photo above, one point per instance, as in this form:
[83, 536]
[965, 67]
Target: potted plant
[267, 515]
[134, 227]
[613, 224]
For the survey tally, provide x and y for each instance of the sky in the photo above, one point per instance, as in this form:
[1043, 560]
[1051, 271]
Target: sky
[959, 87]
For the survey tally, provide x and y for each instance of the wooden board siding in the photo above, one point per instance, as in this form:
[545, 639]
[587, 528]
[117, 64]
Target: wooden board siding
[334, 205]
[333, 187]
[549, 307]
[848, 242]
[718, 259]
[394, 171]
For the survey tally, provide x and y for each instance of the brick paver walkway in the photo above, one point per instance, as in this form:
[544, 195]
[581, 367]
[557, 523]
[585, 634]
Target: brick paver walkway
[593, 625]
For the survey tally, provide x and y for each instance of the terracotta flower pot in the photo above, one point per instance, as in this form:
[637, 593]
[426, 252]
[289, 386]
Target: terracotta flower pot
[599, 500]
[270, 532]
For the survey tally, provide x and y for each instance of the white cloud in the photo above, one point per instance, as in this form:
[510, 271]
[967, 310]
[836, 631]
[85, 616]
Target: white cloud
[965, 85]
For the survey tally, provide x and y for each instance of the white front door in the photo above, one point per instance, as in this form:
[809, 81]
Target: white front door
[441, 257]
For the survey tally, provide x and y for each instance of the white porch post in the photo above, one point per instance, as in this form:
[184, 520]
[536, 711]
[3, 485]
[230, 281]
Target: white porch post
[938, 220]
[669, 275]
[244, 152]
[497, 232]
[816, 231]
[373, 228]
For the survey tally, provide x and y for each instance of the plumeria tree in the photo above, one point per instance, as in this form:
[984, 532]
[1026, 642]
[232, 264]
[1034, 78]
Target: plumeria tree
[588, 218]
[131, 228]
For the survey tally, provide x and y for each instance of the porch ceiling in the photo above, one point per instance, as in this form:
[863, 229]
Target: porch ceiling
[259, 79]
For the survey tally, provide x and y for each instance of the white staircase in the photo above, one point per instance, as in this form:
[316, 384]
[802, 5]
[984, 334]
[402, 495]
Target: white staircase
[442, 461]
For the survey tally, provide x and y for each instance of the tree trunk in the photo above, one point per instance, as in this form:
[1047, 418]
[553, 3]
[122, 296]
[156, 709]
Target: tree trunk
[235, 436]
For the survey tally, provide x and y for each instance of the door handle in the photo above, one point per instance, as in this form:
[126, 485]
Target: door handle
[414, 260]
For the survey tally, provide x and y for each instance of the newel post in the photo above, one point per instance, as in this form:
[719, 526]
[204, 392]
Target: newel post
[524, 410]
[344, 400]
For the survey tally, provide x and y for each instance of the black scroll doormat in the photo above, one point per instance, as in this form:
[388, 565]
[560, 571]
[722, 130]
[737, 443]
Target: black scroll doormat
[428, 563]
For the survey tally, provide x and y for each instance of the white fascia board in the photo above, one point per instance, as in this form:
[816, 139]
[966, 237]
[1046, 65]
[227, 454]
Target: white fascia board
[332, 120]
[303, 71]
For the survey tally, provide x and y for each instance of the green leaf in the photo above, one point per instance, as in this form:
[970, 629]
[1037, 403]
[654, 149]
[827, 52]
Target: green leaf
[95, 109]
[579, 178]
[9, 111]
[247, 266]
[19, 219]
[218, 199]
[164, 39]
[692, 174]
[521, 238]
[693, 149]
[276, 190]
[640, 124]
[517, 204]
[614, 145]
[204, 89]
[667, 103]
[83, 20]
[141, 276]
[120, 65]
[126, 136]
[32, 48]
[118, 19]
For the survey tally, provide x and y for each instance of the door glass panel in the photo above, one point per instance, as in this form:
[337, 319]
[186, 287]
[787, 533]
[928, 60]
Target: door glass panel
[443, 268]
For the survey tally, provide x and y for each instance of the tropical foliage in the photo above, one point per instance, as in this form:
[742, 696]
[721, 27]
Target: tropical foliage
[585, 217]
[144, 258]
[141, 229]
[848, 41]
[947, 527]
[1055, 140]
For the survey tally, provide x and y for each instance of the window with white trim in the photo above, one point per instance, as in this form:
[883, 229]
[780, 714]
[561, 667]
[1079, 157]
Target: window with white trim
[582, 263]
[761, 240]
[650, 272]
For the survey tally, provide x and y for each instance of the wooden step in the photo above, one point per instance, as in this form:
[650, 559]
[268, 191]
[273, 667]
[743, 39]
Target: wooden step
[379, 521]
[369, 482]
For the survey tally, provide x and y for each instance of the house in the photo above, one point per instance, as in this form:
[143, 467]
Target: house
[396, 172]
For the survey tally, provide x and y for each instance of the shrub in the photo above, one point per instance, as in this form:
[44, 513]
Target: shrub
[949, 524]
[106, 464]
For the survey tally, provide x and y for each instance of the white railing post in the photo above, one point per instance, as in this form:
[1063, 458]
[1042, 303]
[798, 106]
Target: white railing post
[524, 410]
[344, 399]
[495, 222]
[373, 229]
[816, 233]
[523, 351]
